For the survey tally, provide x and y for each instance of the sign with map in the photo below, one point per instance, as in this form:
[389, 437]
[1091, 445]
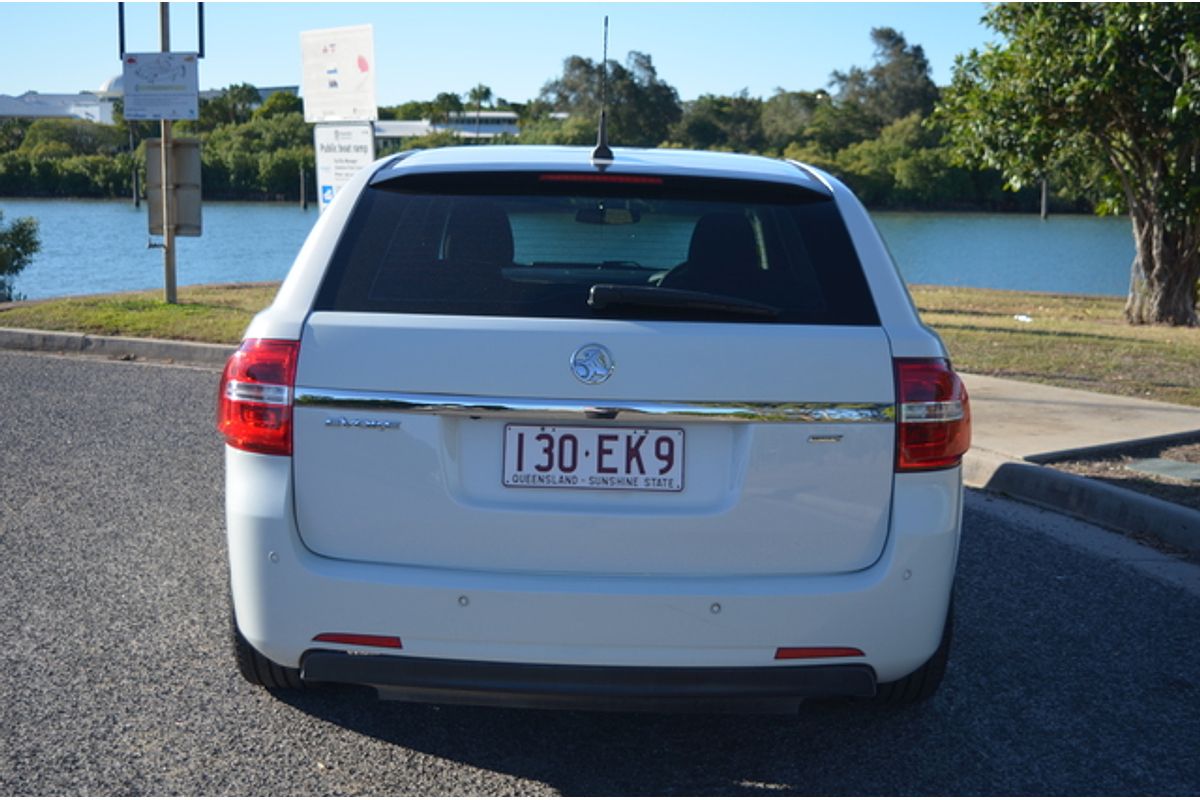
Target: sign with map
[161, 86]
[338, 74]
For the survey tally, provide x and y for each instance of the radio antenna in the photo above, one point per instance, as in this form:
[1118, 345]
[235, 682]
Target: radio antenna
[603, 152]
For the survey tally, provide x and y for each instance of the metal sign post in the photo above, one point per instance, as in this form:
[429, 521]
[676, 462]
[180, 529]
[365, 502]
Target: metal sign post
[168, 185]
[164, 86]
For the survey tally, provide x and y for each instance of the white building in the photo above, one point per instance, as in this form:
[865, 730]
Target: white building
[96, 106]
[466, 124]
[34, 105]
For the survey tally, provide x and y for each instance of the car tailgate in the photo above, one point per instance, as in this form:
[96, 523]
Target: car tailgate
[406, 425]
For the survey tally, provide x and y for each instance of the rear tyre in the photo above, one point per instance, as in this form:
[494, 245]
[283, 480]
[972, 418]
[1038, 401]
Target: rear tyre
[260, 670]
[922, 684]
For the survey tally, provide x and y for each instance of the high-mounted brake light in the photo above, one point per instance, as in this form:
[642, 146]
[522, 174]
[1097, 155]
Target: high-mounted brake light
[254, 407]
[934, 429]
[588, 177]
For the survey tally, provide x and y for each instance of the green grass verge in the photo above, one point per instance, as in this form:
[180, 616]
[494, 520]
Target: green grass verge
[203, 313]
[1072, 341]
[1068, 340]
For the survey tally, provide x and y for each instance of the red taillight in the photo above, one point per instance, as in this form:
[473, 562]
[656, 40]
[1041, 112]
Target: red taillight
[254, 407]
[935, 416]
[360, 639]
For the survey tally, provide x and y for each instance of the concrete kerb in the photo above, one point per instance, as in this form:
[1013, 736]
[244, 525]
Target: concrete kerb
[1102, 450]
[116, 347]
[1092, 500]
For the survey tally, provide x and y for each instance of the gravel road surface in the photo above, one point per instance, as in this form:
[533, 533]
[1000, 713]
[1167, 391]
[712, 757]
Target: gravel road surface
[1071, 673]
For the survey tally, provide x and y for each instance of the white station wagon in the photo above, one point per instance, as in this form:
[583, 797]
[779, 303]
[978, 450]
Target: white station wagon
[526, 428]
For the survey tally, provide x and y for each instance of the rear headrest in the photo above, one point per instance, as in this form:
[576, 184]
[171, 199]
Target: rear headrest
[478, 230]
[725, 238]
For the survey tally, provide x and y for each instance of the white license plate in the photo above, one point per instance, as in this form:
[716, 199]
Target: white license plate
[562, 457]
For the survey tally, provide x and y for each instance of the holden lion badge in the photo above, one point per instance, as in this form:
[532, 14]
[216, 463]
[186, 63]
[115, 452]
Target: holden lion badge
[592, 363]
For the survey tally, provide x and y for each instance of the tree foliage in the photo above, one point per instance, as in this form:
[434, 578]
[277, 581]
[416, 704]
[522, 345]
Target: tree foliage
[413, 109]
[865, 101]
[1105, 97]
[444, 105]
[714, 122]
[258, 158]
[279, 104]
[544, 129]
[233, 106]
[641, 107]
[70, 137]
[897, 85]
[18, 244]
[787, 115]
[478, 95]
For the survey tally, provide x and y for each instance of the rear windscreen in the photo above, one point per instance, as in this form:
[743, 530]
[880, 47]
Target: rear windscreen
[587, 245]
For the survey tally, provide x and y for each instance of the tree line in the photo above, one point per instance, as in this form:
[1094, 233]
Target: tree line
[870, 128]
[251, 150]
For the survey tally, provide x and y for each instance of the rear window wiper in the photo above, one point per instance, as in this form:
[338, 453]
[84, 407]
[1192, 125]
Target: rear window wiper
[608, 295]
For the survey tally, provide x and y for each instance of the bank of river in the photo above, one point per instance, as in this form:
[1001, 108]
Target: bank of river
[91, 246]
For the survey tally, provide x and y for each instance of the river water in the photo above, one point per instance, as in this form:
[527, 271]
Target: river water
[91, 246]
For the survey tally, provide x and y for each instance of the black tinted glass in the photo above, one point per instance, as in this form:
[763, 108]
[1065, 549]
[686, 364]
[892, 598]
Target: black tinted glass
[524, 245]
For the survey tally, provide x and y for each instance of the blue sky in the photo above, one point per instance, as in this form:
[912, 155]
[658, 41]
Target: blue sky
[424, 48]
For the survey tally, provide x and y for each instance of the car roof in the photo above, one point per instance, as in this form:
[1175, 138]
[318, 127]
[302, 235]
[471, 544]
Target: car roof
[626, 161]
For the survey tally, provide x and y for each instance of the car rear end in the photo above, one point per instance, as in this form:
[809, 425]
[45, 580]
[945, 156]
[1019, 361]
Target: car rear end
[522, 430]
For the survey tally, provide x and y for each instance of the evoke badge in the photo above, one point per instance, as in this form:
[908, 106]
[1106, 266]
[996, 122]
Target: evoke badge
[369, 424]
[592, 363]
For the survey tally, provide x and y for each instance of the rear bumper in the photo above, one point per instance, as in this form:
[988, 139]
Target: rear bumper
[284, 595]
[568, 686]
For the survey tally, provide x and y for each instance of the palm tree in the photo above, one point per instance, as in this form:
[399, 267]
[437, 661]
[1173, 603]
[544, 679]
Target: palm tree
[479, 95]
[442, 107]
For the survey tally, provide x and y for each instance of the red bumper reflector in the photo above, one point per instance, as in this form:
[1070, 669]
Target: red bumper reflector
[360, 639]
[785, 653]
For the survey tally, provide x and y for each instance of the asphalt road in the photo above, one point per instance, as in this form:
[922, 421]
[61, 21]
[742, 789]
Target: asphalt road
[1071, 673]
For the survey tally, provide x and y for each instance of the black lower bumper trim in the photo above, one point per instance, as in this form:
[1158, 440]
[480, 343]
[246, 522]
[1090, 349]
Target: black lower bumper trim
[556, 686]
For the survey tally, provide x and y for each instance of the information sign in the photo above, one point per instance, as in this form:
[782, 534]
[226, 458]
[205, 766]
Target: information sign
[342, 150]
[185, 175]
[338, 74]
[161, 86]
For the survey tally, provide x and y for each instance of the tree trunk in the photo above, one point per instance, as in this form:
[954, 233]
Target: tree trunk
[1165, 271]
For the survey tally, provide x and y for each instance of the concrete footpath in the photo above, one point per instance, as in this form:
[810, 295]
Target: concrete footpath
[1016, 427]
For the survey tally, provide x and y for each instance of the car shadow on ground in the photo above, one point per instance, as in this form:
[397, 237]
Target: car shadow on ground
[612, 753]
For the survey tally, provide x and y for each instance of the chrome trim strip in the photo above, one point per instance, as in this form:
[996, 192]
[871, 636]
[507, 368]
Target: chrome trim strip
[520, 408]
